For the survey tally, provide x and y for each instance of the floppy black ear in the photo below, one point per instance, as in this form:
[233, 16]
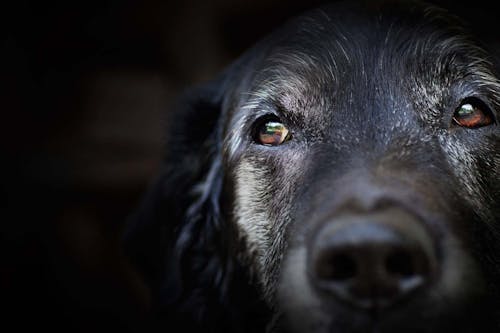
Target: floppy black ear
[177, 239]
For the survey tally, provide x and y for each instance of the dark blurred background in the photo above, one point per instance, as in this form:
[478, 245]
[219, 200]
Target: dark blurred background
[86, 88]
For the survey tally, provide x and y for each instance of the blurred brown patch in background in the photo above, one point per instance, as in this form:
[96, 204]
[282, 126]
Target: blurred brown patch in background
[86, 89]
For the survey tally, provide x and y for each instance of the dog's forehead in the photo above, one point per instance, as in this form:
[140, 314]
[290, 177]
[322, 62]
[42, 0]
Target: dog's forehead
[363, 71]
[388, 52]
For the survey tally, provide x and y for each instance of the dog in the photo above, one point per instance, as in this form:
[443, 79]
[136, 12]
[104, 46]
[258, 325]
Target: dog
[342, 176]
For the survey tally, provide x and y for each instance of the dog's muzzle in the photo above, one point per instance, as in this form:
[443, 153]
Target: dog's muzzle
[371, 260]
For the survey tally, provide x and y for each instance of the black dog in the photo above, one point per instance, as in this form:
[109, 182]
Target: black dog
[342, 176]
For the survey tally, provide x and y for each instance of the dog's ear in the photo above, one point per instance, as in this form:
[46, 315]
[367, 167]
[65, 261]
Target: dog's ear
[176, 239]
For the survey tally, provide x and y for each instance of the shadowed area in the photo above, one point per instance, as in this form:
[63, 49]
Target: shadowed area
[86, 89]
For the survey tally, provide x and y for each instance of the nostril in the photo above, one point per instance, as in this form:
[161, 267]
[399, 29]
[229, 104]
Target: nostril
[337, 267]
[372, 262]
[401, 263]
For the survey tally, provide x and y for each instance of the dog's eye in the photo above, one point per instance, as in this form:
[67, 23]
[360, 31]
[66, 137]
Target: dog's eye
[272, 133]
[473, 113]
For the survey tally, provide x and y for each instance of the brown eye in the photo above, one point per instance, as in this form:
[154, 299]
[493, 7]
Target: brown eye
[473, 113]
[272, 133]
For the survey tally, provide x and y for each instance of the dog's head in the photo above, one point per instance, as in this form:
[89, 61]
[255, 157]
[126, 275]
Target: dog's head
[349, 166]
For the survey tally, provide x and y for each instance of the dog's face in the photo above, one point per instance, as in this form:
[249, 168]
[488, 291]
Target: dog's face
[350, 165]
[362, 156]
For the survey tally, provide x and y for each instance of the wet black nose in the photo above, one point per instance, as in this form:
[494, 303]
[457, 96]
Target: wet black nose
[372, 262]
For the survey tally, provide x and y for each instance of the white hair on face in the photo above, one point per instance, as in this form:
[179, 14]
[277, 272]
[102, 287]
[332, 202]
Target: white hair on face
[294, 76]
[262, 212]
[289, 80]
[464, 166]
[293, 84]
[252, 217]
[262, 233]
[437, 64]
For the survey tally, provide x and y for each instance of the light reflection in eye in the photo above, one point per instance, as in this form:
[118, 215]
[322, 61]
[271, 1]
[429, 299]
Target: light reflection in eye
[472, 114]
[273, 134]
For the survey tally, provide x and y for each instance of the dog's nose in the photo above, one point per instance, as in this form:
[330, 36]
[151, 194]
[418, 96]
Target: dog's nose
[372, 261]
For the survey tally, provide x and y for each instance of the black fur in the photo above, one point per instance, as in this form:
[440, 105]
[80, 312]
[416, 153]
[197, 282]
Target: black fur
[183, 238]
